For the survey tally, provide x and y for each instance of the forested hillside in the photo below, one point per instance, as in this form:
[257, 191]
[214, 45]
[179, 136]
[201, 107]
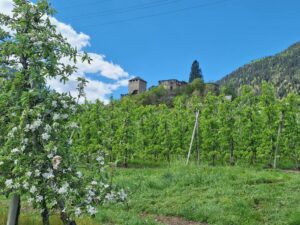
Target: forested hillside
[281, 70]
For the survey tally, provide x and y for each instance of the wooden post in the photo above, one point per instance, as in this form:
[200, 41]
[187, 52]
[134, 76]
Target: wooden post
[192, 140]
[197, 144]
[14, 210]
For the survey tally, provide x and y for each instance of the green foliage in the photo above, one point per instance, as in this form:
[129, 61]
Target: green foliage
[241, 130]
[37, 132]
[159, 95]
[281, 70]
[212, 195]
[220, 195]
[196, 72]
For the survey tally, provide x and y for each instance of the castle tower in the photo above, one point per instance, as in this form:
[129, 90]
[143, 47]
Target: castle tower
[136, 86]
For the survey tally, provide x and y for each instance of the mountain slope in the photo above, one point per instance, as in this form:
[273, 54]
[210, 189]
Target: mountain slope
[282, 70]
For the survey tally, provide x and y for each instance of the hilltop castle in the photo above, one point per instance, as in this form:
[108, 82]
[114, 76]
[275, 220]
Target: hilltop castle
[137, 85]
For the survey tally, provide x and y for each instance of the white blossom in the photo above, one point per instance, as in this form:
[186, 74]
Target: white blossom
[78, 212]
[91, 210]
[25, 185]
[15, 150]
[36, 124]
[9, 183]
[25, 141]
[65, 105]
[37, 173]
[91, 193]
[39, 198]
[56, 116]
[48, 128]
[11, 134]
[27, 128]
[65, 116]
[1, 163]
[79, 174]
[17, 185]
[73, 125]
[48, 175]
[110, 197]
[63, 189]
[73, 108]
[28, 174]
[33, 189]
[94, 182]
[23, 147]
[54, 103]
[45, 136]
[122, 195]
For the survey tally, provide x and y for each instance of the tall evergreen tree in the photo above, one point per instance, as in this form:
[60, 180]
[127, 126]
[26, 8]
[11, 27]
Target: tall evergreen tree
[195, 72]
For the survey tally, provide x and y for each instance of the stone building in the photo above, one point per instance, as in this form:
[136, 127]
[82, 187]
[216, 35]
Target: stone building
[136, 86]
[172, 84]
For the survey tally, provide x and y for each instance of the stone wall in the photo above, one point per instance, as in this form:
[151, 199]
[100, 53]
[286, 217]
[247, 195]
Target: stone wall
[136, 86]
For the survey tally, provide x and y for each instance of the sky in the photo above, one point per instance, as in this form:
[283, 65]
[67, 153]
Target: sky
[159, 39]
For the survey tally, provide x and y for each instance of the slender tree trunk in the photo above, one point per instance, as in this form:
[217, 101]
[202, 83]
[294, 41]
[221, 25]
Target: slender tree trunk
[14, 210]
[213, 160]
[63, 215]
[232, 152]
[45, 213]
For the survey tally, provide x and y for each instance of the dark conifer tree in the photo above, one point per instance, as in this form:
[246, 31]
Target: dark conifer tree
[195, 72]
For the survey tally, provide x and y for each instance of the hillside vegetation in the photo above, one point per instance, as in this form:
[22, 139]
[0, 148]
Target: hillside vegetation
[281, 70]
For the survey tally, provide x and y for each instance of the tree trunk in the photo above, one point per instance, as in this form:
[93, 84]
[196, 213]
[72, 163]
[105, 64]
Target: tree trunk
[63, 215]
[45, 213]
[231, 152]
[14, 210]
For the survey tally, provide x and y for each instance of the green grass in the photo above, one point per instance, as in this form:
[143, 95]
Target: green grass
[220, 195]
[213, 195]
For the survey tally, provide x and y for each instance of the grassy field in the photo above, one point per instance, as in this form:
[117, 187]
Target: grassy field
[210, 195]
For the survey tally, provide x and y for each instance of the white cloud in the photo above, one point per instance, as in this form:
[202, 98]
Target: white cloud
[6, 7]
[99, 66]
[77, 40]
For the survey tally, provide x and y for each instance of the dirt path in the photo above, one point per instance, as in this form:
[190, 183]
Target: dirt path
[172, 220]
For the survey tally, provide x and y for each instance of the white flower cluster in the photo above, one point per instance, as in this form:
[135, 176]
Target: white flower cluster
[91, 210]
[63, 189]
[36, 124]
[49, 174]
[45, 136]
[11, 134]
[122, 194]
[100, 160]
[9, 183]
[56, 116]
[73, 125]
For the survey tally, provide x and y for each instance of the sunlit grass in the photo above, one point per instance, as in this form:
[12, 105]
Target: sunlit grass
[213, 195]
[34, 219]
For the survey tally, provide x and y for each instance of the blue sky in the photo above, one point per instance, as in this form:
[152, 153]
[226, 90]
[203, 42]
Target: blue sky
[222, 35]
